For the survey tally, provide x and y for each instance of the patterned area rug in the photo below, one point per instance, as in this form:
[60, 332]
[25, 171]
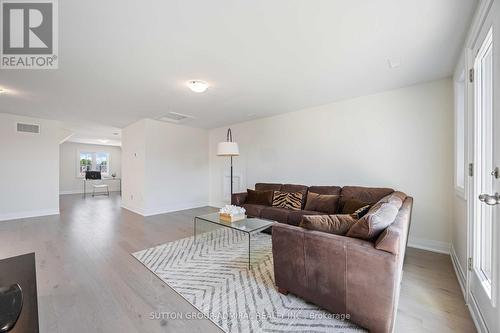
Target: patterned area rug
[212, 274]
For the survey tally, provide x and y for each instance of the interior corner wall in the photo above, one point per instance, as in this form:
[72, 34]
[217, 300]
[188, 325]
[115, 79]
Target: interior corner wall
[133, 167]
[176, 167]
[69, 181]
[459, 202]
[400, 139]
[171, 167]
[29, 172]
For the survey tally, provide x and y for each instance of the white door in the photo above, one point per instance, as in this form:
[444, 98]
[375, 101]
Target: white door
[484, 277]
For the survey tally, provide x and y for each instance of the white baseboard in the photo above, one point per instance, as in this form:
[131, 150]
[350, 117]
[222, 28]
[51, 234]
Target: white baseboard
[165, 210]
[171, 209]
[459, 271]
[133, 210]
[25, 215]
[217, 204]
[81, 192]
[429, 245]
[476, 315]
[69, 192]
[472, 304]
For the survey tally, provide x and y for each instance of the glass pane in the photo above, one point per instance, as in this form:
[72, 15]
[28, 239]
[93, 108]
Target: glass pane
[102, 162]
[85, 163]
[484, 107]
[460, 133]
[248, 224]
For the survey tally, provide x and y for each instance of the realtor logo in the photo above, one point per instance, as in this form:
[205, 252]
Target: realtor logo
[29, 34]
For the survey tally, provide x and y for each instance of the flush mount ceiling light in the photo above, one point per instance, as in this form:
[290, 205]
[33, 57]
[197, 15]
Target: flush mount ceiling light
[197, 86]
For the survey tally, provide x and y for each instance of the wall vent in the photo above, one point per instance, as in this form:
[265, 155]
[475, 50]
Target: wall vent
[176, 118]
[28, 128]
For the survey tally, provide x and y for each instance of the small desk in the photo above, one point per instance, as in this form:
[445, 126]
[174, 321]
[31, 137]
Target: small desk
[102, 179]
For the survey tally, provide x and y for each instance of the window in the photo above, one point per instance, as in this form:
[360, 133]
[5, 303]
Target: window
[93, 161]
[460, 135]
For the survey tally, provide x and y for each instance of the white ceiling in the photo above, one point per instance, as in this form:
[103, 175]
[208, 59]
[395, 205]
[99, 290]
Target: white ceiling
[121, 61]
[92, 133]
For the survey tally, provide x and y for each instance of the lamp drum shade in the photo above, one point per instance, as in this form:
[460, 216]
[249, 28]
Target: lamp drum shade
[228, 149]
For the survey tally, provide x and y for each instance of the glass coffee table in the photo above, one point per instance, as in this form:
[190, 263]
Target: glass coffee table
[248, 225]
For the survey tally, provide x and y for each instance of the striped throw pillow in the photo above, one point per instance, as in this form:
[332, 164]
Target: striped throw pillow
[291, 200]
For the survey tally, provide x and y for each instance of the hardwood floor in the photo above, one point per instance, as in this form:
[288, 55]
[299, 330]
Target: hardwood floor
[89, 282]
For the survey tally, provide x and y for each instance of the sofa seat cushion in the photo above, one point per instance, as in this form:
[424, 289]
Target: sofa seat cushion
[332, 224]
[276, 214]
[295, 216]
[254, 210]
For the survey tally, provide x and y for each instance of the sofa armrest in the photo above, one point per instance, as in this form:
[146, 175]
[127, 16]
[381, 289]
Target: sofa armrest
[372, 287]
[312, 264]
[394, 238]
[238, 199]
[341, 274]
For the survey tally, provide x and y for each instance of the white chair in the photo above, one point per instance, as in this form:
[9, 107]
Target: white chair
[99, 186]
[96, 175]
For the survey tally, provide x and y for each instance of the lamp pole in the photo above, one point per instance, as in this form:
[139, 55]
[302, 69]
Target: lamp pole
[231, 179]
[229, 148]
[229, 138]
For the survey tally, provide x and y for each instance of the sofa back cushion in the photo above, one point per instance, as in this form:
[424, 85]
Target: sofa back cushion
[355, 206]
[325, 203]
[290, 200]
[369, 195]
[332, 224]
[267, 187]
[332, 190]
[264, 198]
[378, 218]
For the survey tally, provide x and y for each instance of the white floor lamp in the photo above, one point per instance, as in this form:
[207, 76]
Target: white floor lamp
[228, 148]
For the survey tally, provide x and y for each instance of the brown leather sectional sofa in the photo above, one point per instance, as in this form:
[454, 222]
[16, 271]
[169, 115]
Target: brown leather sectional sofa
[344, 275]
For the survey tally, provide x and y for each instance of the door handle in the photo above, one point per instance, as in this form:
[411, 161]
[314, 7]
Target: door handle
[496, 173]
[491, 200]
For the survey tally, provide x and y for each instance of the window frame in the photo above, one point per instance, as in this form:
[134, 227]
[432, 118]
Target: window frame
[94, 161]
[460, 132]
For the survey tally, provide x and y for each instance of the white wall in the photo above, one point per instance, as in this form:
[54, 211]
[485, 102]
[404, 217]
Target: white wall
[29, 172]
[69, 180]
[459, 202]
[400, 139]
[171, 163]
[133, 167]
